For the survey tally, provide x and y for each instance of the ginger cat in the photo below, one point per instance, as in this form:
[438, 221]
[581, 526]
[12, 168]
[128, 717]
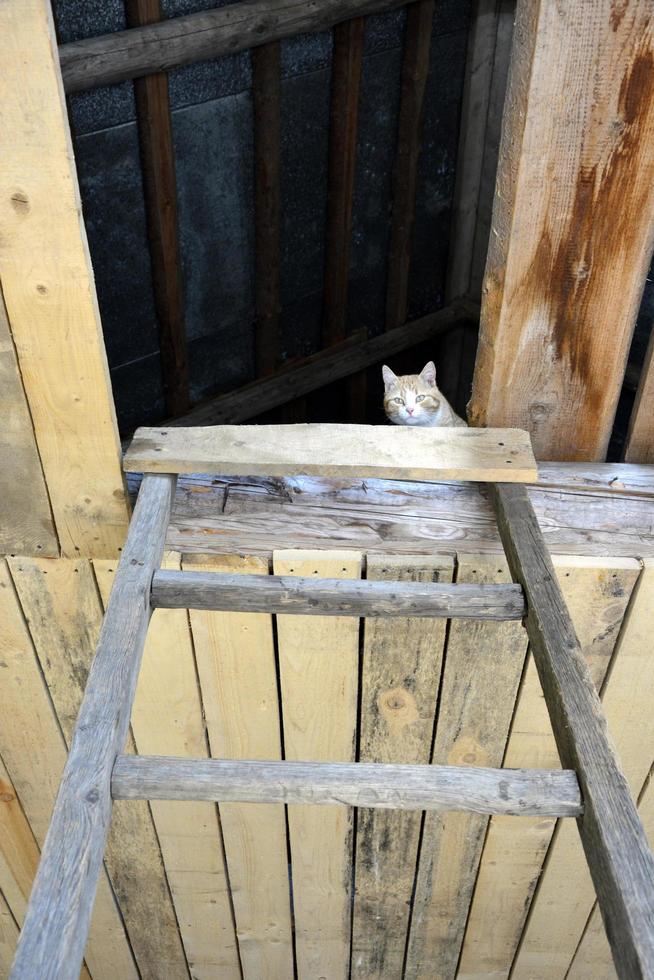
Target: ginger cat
[414, 399]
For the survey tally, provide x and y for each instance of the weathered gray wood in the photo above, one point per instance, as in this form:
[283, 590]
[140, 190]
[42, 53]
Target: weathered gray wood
[514, 792]
[618, 855]
[112, 58]
[57, 921]
[334, 597]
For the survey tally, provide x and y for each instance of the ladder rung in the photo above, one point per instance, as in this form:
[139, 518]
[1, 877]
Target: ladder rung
[334, 597]
[513, 792]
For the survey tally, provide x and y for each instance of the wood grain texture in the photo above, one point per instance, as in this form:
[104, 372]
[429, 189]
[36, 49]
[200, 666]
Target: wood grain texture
[413, 81]
[26, 524]
[475, 708]
[266, 104]
[619, 858]
[236, 666]
[596, 592]
[382, 451]
[34, 752]
[400, 680]
[49, 293]
[334, 597]
[318, 665]
[572, 226]
[114, 57]
[60, 600]
[8, 936]
[640, 438]
[167, 718]
[559, 914]
[57, 920]
[158, 169]
[19, 852]
[310, 373]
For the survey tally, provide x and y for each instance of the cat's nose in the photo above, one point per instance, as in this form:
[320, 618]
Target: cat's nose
[410, 411]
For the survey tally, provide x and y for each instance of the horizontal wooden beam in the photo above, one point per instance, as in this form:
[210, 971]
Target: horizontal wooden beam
[334, 597]
[332, 364]
[112, 58]
[513, 792]
[387, 452]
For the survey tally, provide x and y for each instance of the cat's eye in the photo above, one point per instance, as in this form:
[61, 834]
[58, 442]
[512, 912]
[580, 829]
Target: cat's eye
[399, 401]
[420, 398]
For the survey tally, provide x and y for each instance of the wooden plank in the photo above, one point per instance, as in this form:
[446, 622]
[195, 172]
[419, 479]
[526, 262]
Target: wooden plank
[470, 154]
[26, 524]
[400, 680]
[112, 58]
[334, 597]
[266, 103]
[382, 451]
[61, 603]
[596, 592]
[34, 753]
[415, 68]
[167, 718]
[57, 920]
[475, 709]
[640, 438]
[236, 665]
[564, 277]
[158, 168]
[319, 369]
[558, 914]
[318, 665]
[8, 936]
[619, 858]
[48, 288]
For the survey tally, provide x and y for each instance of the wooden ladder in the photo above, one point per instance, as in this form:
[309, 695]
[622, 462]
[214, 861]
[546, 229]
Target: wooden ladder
[591, 787]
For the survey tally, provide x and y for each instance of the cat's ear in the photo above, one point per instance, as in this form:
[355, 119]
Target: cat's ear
[428, 374]
[389, 377]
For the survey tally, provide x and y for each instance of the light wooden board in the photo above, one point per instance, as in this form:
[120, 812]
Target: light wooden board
[572, 227]
[167, 718]
[8, 937]
[49, 292]
[236, 666]
[26, 525]
[384, 451]
[559, 913]
[483, 666]
[318, 663]
[640, 439]
[400, 682]
[34, 752]
[597, 592]
[61, 604]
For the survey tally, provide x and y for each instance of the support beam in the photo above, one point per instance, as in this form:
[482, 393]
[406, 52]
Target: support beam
[514, 792]
[112, 58]
[573, 224]
[618, 855]
[158, 169]
[640, 439]
[59, 912]
[334, 597]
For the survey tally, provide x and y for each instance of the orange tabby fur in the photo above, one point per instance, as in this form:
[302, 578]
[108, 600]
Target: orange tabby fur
[414, 399]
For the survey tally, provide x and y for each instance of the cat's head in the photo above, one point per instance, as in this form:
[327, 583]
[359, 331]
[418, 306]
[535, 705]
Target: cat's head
[411, 399]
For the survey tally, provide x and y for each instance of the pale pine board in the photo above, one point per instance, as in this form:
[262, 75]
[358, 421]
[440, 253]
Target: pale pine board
[318, 662]
[61, 604]
[383, 451]
[19, 852]
[597, 592]
[34, 752]
[559, 913]
[8, 937]
[236, 665]
[483, 666]
[640, 440]
[49, 291]
[167, 720]
[26, 525]
[400, 682]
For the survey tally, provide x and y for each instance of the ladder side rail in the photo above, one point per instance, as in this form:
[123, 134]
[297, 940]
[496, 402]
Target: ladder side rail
[614, 841]
[52, 941]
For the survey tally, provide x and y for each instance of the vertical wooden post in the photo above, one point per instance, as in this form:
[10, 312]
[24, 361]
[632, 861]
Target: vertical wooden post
[415, 67]
[640, 439]
[266, 98]
[158, 164]
[573, 224]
